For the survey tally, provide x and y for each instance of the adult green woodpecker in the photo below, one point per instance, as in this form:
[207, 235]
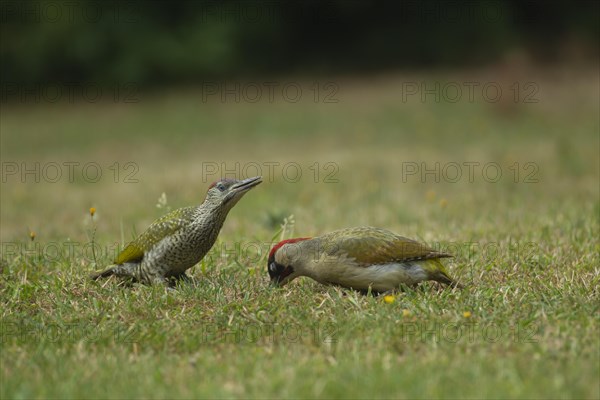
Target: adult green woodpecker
[359, 258]
[179, 240]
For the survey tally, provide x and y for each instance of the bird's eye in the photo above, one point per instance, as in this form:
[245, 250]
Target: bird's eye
[220, 186]
[273, 267]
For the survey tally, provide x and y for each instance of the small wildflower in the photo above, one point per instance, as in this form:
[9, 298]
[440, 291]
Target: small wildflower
[430, 196]
[467, 314]
[162, 201]
[32, 235]
[93, 234]
[389, 299]
[443, 203]
[406, 313]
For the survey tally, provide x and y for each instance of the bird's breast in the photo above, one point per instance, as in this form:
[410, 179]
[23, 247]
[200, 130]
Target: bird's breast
[183, 250]
[380, 277]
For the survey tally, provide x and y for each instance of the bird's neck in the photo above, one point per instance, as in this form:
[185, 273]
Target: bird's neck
[210, 216]
[308, 256]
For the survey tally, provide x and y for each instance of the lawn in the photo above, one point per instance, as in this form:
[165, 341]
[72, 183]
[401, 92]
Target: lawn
[509, 187]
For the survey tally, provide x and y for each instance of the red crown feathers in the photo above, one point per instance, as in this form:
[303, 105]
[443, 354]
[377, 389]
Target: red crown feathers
[278, 245]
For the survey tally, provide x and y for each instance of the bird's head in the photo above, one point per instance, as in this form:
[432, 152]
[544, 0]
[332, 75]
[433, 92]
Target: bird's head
[283, 258]
[227, 192]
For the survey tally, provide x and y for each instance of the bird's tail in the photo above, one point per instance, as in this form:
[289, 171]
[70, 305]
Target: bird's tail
[103, 274]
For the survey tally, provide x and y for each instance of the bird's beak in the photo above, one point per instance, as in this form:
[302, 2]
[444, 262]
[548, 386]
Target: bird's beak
[280, 280]
[275, 282]
[242, 187]
[246, 184]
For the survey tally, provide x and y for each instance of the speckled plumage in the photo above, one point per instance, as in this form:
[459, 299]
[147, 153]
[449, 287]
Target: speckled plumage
[180, 239]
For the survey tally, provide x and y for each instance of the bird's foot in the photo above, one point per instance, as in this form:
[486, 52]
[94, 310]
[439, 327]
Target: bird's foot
[178, 279]
[184, 278]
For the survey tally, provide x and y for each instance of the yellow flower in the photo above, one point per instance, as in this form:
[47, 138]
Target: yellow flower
[406, 313]
[467, 314]
[443, 203]
[92, 211]
[389, 299]
[32, 235]
[430, 195]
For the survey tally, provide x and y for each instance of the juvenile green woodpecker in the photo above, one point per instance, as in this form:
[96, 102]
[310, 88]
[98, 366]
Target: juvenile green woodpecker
[359, 258]
[179, 240]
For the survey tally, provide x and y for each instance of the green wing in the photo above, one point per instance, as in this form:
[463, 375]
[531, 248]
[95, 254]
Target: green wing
[370, 246]
[164, 226]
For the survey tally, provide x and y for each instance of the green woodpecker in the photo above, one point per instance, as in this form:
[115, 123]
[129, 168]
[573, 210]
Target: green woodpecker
[358, 258]
[180, 239]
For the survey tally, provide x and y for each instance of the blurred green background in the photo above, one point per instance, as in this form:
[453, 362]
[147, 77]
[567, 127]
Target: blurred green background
[149, 102]
[161, 42]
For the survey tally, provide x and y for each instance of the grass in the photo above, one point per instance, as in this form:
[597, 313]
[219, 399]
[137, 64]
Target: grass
[526, 326]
